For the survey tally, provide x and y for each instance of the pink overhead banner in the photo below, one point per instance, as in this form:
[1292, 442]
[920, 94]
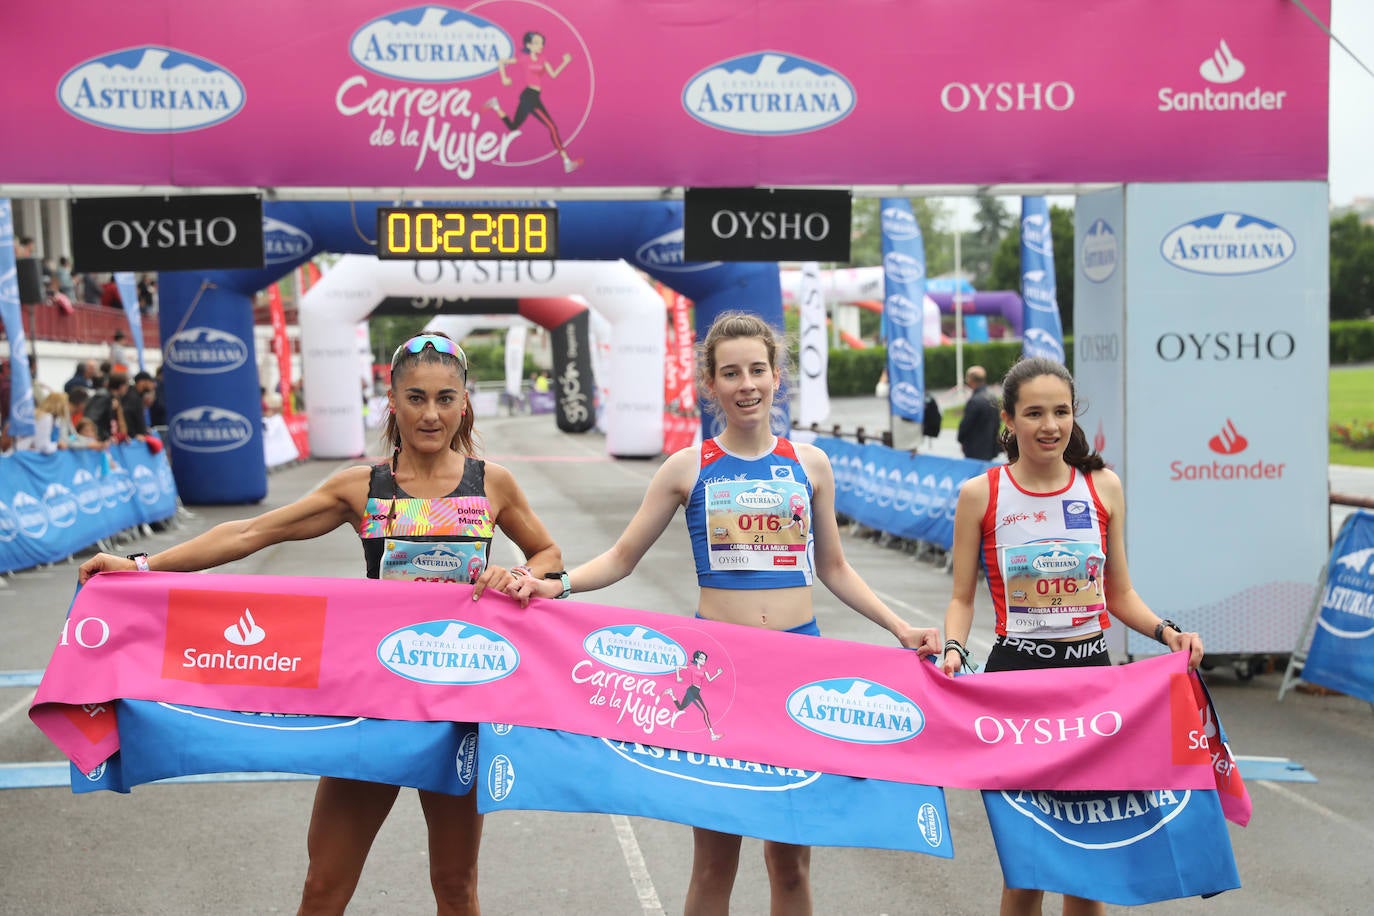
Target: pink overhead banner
[398, 650]
[602, 93]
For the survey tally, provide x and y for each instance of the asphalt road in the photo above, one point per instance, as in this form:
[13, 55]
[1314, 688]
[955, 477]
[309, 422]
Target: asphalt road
[239, 847]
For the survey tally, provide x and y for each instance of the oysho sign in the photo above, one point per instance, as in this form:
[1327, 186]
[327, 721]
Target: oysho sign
[202, 232]
[763, 224]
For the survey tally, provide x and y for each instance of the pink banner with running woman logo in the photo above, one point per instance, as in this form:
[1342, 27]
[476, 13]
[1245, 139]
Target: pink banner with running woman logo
[400, 650]
[622, 93]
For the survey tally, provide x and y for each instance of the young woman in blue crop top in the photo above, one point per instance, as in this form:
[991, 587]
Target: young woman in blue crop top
[754, 567]
[431, 492]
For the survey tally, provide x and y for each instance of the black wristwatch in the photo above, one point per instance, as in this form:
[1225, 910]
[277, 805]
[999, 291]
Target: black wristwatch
[562, 576]
[1159, 630]
[140, 561]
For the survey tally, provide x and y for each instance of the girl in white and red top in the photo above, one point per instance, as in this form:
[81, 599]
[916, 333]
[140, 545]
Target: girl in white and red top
[1043, 528]
[739, 371]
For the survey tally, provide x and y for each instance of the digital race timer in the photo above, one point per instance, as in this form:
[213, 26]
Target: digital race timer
[467, 233]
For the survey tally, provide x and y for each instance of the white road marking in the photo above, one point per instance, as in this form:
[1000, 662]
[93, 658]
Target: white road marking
[22, 705]
[1310, 805]
[634, 860]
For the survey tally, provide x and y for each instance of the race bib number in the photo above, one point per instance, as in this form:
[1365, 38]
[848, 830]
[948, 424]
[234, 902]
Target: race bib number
[1054, 586]
[433, 561]
[758, 525]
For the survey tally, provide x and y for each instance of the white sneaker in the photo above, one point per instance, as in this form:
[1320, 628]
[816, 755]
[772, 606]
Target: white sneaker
[493, 104]
[571, 165]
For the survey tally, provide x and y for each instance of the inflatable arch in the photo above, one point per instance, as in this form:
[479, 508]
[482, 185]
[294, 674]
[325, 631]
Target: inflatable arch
[214, 428]
[853, 284]
[352, 288]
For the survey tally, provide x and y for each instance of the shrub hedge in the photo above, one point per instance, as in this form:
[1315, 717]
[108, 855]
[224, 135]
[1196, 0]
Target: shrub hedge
[854, 373]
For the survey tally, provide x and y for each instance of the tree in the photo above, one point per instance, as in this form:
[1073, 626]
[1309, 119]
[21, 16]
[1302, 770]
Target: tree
[1352, 268]
[866, 246]
[1006, 263]
[992, 221]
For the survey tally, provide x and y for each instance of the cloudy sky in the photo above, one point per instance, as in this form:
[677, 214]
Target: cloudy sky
[1352, 102]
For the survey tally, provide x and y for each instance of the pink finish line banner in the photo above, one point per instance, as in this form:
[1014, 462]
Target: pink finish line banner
[399, 650]
[607, 93]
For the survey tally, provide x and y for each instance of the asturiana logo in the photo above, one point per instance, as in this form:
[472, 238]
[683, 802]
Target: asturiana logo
[635, 649]
[282, 242]
[87, 490]
[466, 762]
[899, 224]
[902, 268]
[901, 310]
[1099, 820]
[210, 429]
[439, 559]
[500, 777]
[759, 498]
[430, 44]
[1228, 244]
[1040, 342]
[1098, 253]
[151, 89]
[204, 351]
[666, 253]
[448, 652]
[855, 710]
[9, 524]
[907, 397]
[1057, 562]
[146, 485]
[61, 505]
[904, 355]
[31, 514]
[770, 93]
[9, 284]
[1040, 294]
[710, 770]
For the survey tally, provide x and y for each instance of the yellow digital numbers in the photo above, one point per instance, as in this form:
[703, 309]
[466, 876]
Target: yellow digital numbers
[467, 233]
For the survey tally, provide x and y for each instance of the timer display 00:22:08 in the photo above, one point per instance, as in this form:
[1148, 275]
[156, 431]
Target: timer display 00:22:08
[467, 233]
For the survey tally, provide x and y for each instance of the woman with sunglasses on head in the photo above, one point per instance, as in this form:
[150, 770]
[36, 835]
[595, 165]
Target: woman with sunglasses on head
[431, 490]
[739, 371]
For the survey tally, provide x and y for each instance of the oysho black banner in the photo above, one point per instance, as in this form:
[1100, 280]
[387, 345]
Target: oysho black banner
[574, 385]
[765, 224]
[197, 232]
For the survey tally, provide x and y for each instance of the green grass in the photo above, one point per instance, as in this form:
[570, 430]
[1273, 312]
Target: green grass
[1352, 401]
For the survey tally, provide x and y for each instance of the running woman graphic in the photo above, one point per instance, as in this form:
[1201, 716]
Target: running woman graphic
[531, 100]
[798, 507]
[1093, 581]
[699, 677]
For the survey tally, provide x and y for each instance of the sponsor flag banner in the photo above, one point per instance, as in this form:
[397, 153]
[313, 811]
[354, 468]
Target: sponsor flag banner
[813, 388]
[1342, 652]
[1124, 848]
[281, 347]
[1042, 332]
[398, 650]
[166, 740]
[742, 99]
[20, 407]
[904, 294]
[681, 421]
[128, 295]
[535, 769]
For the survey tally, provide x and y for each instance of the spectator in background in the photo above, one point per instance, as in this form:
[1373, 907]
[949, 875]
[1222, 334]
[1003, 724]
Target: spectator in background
[119, 353]
[978, 428]
[137, 400]
[84, 436]
[147, 294]
[76, 400]
[90, 289]
[157, 411]
[109, 294]
[23, 247]
[63, 279]
[40, 389]
[51, 424]
[86, 376]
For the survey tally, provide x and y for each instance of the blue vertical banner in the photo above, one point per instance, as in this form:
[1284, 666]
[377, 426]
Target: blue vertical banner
[904, 293]
[128, 294]
[1342, 653]
[1042, 333]
[21, 384]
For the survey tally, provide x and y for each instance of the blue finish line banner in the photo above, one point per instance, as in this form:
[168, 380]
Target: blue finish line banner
[1342, 653]
[538, 769]
[52, 506]
[910, 496]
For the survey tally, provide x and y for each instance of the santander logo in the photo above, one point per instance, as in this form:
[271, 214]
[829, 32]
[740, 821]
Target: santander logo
[1222, 66]
[245, 631]
[1229, 441]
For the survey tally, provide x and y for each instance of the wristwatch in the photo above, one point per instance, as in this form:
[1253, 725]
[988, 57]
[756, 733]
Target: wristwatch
[140, 561]
[1159, 629]
[561, 576]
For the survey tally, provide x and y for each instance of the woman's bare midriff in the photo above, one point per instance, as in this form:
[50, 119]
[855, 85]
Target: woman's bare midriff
[772, 608]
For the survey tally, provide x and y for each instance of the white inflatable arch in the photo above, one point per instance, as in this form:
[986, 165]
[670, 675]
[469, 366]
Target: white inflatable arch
[349, 292]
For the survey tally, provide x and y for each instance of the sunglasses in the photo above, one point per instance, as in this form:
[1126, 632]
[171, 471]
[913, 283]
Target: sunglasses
[434, 342]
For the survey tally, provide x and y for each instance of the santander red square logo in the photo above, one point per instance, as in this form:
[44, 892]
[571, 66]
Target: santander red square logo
[1189, 733]
[94, 720]
[244, 638]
